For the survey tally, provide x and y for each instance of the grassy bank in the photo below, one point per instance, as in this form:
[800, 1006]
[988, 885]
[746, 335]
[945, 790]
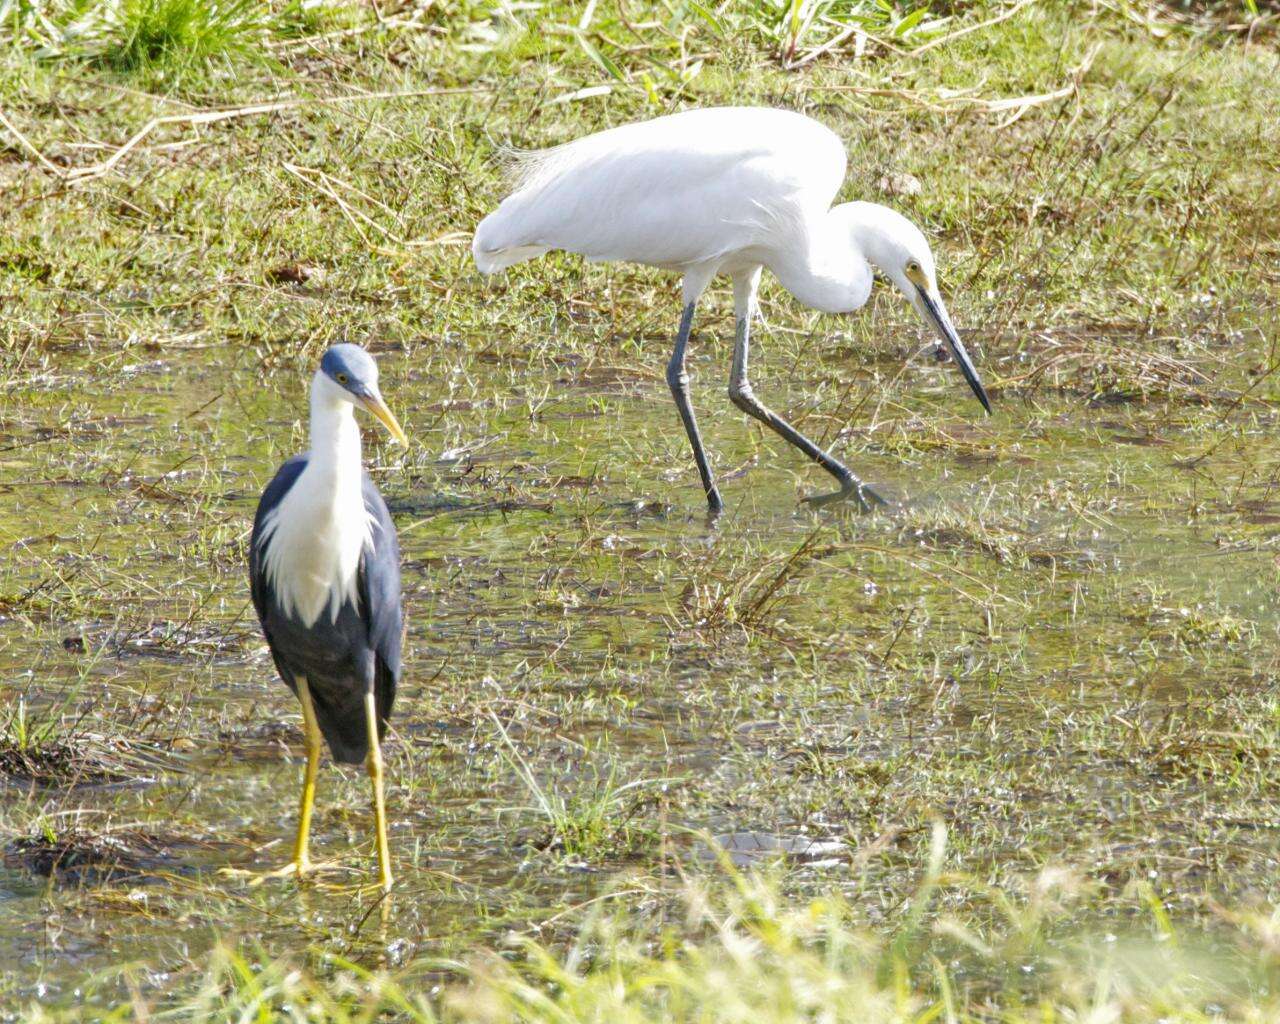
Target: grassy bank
[1061, 648]
[737, 951]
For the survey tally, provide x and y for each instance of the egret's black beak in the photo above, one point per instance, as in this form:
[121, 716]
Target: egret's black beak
[374, 403]
[936, 314]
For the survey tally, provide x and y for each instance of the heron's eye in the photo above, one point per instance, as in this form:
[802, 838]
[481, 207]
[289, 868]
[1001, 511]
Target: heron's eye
[341, 378]
[913, 267]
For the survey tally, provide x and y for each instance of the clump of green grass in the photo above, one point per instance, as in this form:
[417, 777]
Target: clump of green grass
[36, 750]
[21, 733]
[138, 36]
[183, 34]
[747, 595]
[592, 819]
[51, 743]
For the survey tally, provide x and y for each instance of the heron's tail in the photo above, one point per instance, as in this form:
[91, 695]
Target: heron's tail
[343, 726]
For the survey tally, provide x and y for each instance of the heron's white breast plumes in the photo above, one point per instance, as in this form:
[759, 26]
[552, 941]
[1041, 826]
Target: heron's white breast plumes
[313, 544]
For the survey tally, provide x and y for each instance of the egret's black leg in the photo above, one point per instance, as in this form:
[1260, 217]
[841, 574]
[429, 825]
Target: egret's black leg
[744, 398]
[374, 765]
[678, 381]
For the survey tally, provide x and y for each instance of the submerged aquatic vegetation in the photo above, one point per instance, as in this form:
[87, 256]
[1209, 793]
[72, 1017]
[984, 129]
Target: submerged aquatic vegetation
[78, 856]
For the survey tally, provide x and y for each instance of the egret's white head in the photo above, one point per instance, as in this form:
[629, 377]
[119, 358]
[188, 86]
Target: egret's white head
[348, 374]
[897, 248]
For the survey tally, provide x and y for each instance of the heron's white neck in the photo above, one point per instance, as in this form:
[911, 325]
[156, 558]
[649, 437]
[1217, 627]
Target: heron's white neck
[318, 531]
[824, 267]
[335, 437]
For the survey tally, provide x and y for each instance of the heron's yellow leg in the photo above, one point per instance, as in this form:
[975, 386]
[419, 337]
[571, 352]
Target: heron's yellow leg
[301, 863]
[374, 764]
[311, 734]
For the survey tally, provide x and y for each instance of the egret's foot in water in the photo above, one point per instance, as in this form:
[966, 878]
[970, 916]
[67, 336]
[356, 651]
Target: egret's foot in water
[715, 509]
[853, 489]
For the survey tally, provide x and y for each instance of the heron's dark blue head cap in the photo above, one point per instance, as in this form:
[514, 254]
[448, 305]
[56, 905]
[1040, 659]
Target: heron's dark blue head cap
[353, 369]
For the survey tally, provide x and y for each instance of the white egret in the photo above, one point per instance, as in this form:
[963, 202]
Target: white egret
[726, 190]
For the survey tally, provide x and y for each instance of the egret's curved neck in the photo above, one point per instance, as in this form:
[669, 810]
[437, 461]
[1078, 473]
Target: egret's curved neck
[335, 436]
[823, 268]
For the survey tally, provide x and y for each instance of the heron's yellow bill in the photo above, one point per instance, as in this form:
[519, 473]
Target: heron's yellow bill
[378, 407]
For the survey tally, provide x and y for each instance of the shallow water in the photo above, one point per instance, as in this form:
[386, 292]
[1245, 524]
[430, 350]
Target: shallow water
[1043, 645]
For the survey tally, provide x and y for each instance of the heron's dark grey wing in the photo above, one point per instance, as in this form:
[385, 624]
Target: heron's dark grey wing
[380, 600]
[286, 476]
[345, 654]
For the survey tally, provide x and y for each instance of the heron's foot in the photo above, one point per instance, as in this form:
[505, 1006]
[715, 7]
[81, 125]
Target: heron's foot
[851, 489]
[301, 870]
[374, 885]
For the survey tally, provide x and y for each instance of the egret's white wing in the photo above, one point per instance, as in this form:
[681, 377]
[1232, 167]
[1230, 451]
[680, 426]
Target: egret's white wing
[673, 192]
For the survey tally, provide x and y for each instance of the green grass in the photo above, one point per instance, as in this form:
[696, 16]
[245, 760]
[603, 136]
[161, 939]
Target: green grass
[1062, 647]
[168, 43]
[737, 951]
[593, 819]
[183, 33]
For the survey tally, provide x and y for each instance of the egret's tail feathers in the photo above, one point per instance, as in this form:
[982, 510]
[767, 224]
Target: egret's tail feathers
[514, 164]
[507, 236]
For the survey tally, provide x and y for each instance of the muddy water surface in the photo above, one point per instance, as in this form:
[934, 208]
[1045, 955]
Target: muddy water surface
[1063, 644]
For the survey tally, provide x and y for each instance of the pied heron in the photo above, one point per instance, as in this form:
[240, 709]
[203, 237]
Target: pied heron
[725, 190]
[324, 570]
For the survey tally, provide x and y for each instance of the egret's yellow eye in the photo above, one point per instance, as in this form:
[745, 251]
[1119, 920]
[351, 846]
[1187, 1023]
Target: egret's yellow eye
[341, 378]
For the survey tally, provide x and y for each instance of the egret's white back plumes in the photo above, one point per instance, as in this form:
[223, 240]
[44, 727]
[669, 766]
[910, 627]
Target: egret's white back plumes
[314, 537]
[677, 191]
[726, 190]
